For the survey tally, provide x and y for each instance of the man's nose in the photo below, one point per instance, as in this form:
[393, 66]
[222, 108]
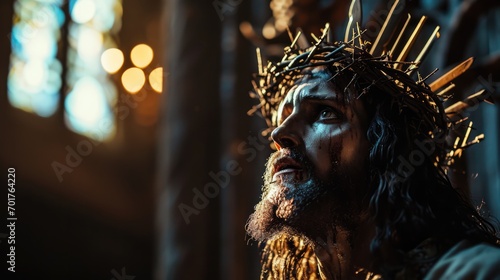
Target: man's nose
[286, 136]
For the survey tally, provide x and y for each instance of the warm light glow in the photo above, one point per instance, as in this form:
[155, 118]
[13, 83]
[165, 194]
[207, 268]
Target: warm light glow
[86, 102]
[40, 45]
[89, 45]
[92, 55]
[104, 18]
[83, 11]
[133, 79]
[141, 55]
[269, 32]
[112, 60]
[87, 110]
[35, 75]
[281, 24]
[156, 79]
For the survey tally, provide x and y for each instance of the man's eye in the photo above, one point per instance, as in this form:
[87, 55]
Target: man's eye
[328, 114]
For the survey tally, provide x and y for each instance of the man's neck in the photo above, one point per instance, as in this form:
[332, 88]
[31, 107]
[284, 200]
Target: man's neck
[345, 251]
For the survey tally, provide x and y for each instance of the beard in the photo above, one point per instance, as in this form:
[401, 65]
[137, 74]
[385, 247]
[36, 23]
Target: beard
[302, 203]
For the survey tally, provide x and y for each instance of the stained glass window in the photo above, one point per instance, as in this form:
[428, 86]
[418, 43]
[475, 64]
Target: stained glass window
[35, 76]
[34, 80]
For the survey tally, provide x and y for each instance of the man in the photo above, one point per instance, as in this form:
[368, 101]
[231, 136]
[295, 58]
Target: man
[358, 186]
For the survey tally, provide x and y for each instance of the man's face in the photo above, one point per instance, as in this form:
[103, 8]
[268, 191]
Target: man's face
[318, 177]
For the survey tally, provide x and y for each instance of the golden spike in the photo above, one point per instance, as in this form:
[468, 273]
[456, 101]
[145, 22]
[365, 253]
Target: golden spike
[411, 41]
[296, 39]
[422, 53]
[400, 35]
[302, 41]
[353, 39]
[323, 35]
[315, 38]
[349, 23]
[328, 36]
[472, 100]
[359, 33]
[325, 31]
[477, 139]
[347, 32]
[427, 77]
[259, 61]
[355, 16]
[452, 74]
[469, 128]
[460, 121]
[424, 50]
[456, 143]
[377, 42]
[444, 91]
[320, 39]
[419, 78]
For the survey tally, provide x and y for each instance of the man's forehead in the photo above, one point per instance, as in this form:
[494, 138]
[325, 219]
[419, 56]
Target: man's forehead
[312, 89]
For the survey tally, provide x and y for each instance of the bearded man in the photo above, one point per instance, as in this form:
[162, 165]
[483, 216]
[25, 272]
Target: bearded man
[358, 187]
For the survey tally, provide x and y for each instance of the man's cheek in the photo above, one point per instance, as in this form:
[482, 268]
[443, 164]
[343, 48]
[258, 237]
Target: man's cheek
[326, 157]
[354, 150]
[336, 149]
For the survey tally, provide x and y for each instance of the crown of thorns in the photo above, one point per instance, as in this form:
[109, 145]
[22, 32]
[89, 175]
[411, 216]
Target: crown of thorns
[393, 76]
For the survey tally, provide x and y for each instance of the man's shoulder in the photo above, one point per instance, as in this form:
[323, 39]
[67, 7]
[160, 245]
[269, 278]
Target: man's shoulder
[466, 260]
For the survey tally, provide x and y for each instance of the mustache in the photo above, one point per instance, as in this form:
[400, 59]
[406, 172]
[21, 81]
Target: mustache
[293, 154]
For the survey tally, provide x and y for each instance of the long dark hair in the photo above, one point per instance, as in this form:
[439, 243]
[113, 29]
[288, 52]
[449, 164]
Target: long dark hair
[411, 197]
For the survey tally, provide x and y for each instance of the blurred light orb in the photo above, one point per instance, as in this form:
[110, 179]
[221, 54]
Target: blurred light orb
[156, 79]
[112, 60]
[86, 102]
[35, 74]
[133, 79]
[141, 55]
[268, 31]
[40, 44]
[89, 43]
[83, 11]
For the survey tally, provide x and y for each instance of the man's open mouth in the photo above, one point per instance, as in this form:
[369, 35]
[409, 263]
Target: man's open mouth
[287, 169]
